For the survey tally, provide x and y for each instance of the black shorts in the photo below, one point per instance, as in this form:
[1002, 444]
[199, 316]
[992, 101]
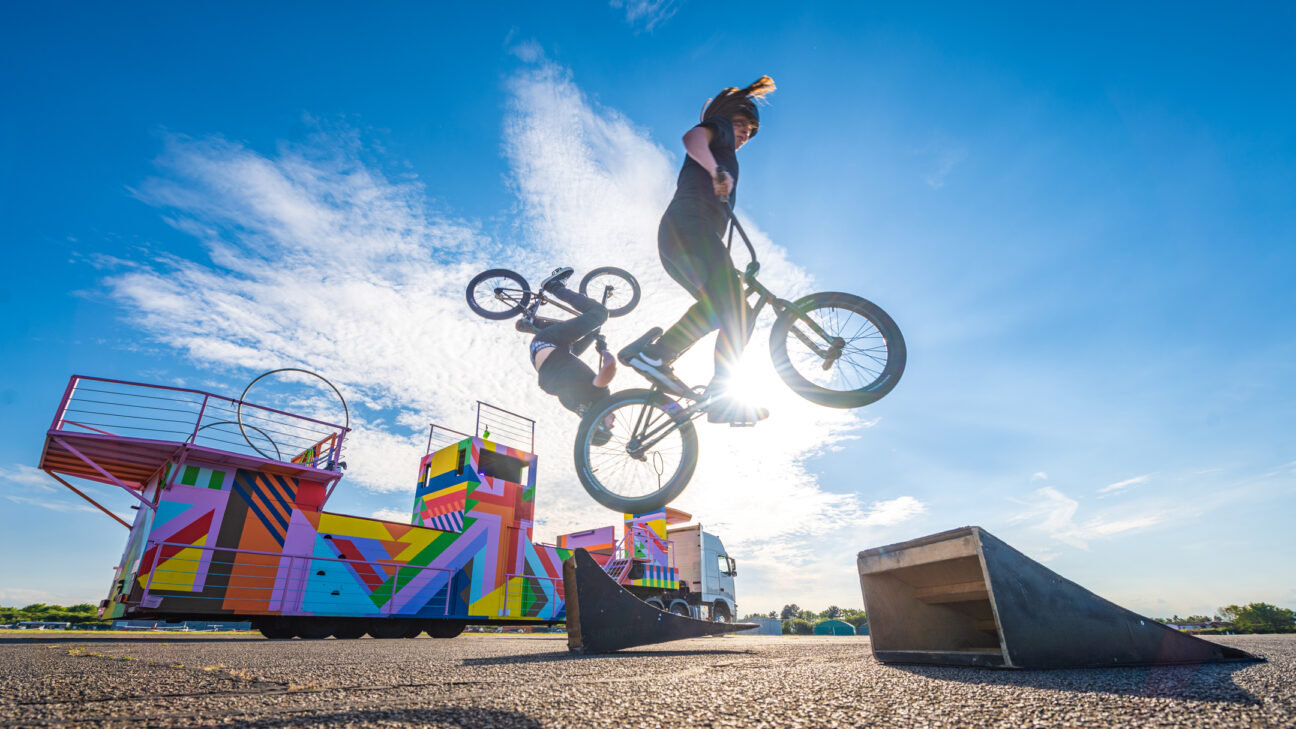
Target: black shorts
[564, 376]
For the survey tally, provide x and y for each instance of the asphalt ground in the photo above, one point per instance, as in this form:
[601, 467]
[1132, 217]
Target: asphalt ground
[532, 681]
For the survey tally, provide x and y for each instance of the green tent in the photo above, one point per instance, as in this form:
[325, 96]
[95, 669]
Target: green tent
[834, 627]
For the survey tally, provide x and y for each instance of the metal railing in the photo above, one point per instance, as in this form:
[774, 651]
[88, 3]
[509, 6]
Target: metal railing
[288, 584]
[505, 427]
[441, 436]
[176, 414]
[532, 586]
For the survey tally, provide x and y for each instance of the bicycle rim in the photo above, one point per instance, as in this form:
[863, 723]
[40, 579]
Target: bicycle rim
[618, 286]
[636, 482]
[871, 356]
[483, 300]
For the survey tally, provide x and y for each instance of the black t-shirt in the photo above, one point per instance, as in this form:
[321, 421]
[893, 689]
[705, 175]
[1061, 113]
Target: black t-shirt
[694, 191]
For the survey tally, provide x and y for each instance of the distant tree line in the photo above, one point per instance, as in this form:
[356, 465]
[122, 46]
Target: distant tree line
[83, 614]
[802, 622]
[1256, 617]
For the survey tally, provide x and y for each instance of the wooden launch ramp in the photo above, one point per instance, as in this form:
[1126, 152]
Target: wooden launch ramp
[602, 617]
[966, 598]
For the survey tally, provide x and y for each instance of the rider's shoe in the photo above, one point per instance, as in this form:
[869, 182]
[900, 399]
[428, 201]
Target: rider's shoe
[601, 435]
[556, 278]
[646, 355]
[533, 325]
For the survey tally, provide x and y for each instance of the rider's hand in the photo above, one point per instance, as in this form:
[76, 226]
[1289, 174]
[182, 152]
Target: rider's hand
[723, 182]
[600, 344]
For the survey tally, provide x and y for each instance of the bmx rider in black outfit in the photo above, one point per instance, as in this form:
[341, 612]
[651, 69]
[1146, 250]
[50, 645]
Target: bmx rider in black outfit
[690, 243]
[557, 346]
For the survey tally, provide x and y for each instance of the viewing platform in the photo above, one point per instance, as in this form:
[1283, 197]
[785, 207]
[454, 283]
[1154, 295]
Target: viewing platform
[125, 434]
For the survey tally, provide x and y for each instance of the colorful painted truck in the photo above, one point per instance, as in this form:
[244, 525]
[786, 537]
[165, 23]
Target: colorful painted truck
[231, 522]
[701, 583]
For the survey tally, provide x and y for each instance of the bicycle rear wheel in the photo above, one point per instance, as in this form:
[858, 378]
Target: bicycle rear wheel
[620, 288]
[837, 350]
[498, 294]
[624, 476]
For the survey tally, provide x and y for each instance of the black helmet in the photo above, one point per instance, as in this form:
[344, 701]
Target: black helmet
[733, 101]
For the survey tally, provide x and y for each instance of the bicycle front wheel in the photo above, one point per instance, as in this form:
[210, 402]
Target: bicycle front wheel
[613, 287]
[498, 294]
[837, 350]
[647, 460]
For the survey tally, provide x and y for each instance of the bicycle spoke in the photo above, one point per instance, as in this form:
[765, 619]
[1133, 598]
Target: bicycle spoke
[860, 361]
[620, 473]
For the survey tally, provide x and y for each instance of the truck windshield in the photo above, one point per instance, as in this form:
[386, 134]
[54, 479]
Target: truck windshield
[726, 565]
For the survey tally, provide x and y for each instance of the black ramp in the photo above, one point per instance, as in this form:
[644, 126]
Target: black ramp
[602, 617]
[964, 597]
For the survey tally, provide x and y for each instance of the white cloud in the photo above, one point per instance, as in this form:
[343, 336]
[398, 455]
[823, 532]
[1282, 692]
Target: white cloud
[1121, 485]
[20, 476]
[895, 511]
[1053, 513]
[20, 597]
[317, 260]
[1039, 476]
[944, 158]
[395, 515]
[647, 14]
[30, 486]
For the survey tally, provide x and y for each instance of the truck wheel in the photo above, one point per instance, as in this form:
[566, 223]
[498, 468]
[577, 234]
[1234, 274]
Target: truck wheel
[656, 602]
[275, 629]
[349, 630]
[446, 628]
[386, 628]
[720, 613]
[679, 607]
[313, 628]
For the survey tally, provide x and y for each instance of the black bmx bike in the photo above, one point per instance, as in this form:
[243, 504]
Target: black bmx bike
[833, 349]
[503, 294]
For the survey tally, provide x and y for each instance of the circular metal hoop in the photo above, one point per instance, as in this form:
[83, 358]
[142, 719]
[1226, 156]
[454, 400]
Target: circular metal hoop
[278, 454]
[239, 412]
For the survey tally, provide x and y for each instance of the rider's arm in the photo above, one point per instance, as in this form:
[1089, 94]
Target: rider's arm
[697, 142]
[607, 371]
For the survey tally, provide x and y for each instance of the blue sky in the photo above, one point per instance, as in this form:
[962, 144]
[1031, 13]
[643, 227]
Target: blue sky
[1080, 217]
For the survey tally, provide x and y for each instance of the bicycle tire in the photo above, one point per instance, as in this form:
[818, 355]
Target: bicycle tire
[884, 336]
[665, 492]
[496, 314]
[629, 280]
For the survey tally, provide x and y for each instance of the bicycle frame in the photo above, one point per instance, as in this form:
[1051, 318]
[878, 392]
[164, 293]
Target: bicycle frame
[510, 296]
[751, 286]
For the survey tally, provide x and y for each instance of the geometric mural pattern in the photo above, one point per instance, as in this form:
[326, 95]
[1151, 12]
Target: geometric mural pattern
[225, 539]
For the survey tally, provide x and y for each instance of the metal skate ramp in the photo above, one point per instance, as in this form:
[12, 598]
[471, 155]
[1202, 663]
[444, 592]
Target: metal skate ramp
[966, 598]
[602, 617]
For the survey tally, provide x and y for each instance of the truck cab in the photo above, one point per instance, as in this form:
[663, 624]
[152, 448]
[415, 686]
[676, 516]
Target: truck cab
[708, 570]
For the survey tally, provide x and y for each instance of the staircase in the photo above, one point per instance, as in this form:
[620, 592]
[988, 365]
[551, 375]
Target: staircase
[617, 569]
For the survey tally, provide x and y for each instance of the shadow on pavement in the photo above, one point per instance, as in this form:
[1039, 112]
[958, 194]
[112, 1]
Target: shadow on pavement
[90, 637]
[568, 656]
[466, 717]
[1194, 682]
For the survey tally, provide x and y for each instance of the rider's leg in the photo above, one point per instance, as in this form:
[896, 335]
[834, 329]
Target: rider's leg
[707, 272]
[687, 248]
[566, 333]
